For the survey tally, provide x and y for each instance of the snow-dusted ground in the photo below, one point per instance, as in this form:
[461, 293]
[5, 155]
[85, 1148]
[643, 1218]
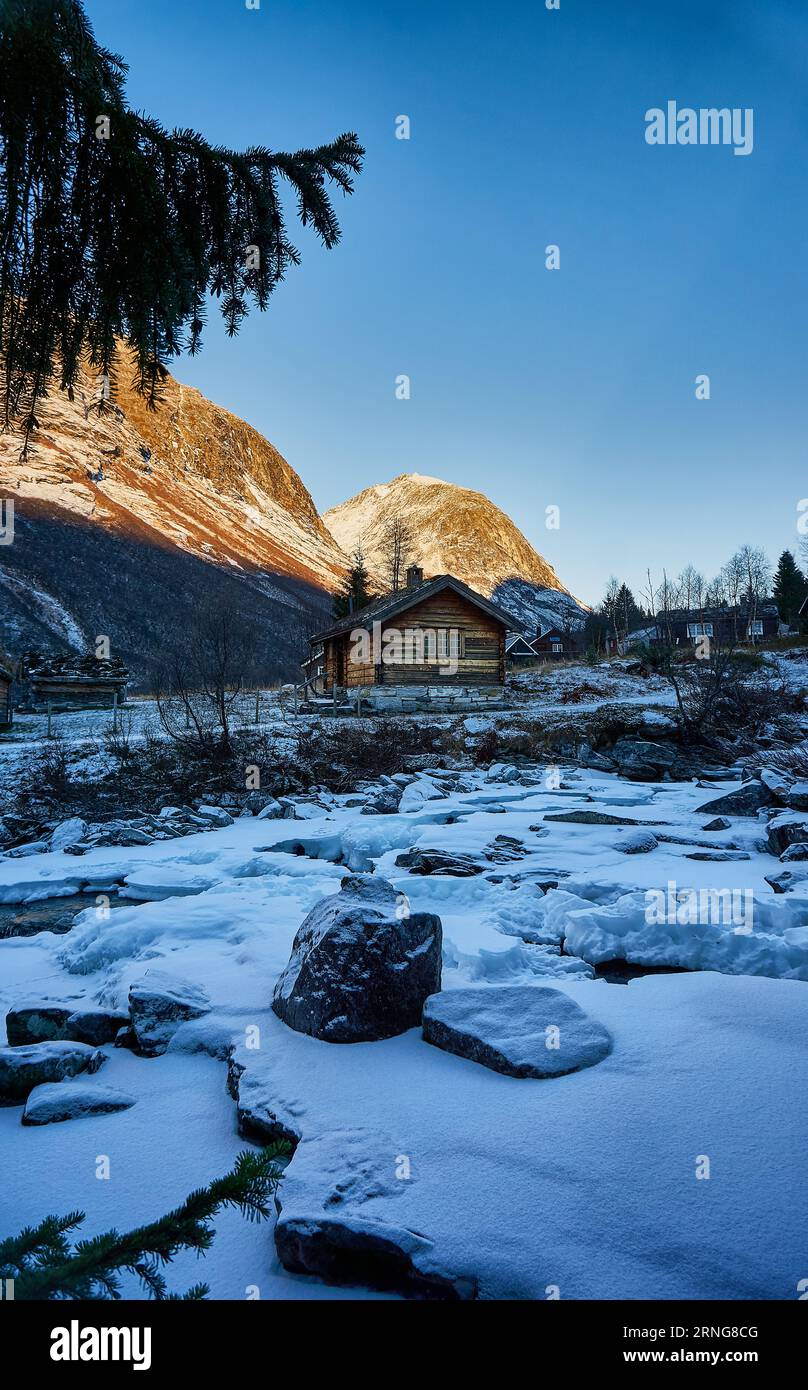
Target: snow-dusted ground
[586, 1183]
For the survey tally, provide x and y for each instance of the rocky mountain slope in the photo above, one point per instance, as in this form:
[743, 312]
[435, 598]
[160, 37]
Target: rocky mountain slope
[456, 531]
[130, 521]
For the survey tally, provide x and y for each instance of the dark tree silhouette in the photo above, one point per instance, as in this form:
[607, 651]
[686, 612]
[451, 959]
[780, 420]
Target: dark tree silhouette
[356, 589]
[112, 227]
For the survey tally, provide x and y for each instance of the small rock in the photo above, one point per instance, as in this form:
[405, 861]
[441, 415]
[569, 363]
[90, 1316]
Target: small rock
[638, 842]
[216, 815]
[784, 831]
[158, 1005]
[72, 1100]
[23, 1068]
[799, 850]
[718, 823]
[438, 861]
[796, 796]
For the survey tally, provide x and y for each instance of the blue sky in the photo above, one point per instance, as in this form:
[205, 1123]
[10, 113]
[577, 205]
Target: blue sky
[573, 388]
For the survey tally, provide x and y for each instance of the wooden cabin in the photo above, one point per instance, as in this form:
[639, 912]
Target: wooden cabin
[6, 681]
[434, 637]
[88, 682]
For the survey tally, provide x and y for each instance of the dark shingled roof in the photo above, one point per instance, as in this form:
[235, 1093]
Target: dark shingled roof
[390, 605]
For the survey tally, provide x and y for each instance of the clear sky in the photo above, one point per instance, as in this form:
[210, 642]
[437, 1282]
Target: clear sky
[574, 388]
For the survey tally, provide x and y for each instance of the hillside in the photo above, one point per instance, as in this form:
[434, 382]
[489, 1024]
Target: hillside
[128, 520]
[456, 531]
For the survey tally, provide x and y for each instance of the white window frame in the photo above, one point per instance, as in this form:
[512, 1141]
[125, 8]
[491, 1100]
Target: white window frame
[755, 628]
[696, 630]
[557, 647]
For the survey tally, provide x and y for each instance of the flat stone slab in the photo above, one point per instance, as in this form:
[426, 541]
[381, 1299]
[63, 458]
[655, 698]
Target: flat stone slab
[521, 1030]
[72, 1100]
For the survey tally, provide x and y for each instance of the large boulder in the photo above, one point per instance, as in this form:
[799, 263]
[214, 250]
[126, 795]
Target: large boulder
[158, 1005]
[361, 965]
[521, 1030]
[746, 801]
[642, 761]
[72, 1100]
[23, 1068]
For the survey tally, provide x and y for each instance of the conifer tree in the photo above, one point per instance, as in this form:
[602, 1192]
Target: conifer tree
[789, 588]
[356, 591]
[112, 227]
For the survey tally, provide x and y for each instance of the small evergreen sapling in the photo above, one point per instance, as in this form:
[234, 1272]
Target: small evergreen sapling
[42, 1264]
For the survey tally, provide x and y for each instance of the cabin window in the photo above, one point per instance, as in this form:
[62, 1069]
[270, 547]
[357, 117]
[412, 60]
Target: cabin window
[556, 647]
[699, 630]
[755, 628]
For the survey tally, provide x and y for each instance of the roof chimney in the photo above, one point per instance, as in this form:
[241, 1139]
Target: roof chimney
[415, 577]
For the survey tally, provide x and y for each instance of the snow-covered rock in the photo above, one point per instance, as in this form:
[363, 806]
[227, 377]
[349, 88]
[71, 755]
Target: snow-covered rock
[637, 842]
[787, 828]
[361, 965]
[327, 1225]
[642, 761]
[437, 861]
[746, 801]
[521, 1030]
[68, 832]
[416, 793]
[72, 1100]
[216, 815]
[23, 1068]
[158, 1005]
[271, 810]
[44, 1022]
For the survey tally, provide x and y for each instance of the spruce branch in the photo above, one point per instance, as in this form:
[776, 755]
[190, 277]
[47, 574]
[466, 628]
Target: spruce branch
[43, 1266]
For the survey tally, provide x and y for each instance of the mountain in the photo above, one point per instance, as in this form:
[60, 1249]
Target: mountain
[457, 531]
[130, 522]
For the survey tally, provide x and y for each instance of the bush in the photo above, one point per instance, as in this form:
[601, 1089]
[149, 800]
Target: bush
[338, 755]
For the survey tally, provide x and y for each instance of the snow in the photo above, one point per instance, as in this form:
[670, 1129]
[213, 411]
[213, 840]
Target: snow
[586, 1181]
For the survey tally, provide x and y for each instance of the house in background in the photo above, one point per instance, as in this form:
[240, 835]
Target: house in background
[434, 643]
[726, 625]
[6, 682]
[518, 650]
[556, 644]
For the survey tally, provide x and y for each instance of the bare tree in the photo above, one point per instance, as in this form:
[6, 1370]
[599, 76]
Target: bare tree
[690, 588]
[197, 693]
[398, 540]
